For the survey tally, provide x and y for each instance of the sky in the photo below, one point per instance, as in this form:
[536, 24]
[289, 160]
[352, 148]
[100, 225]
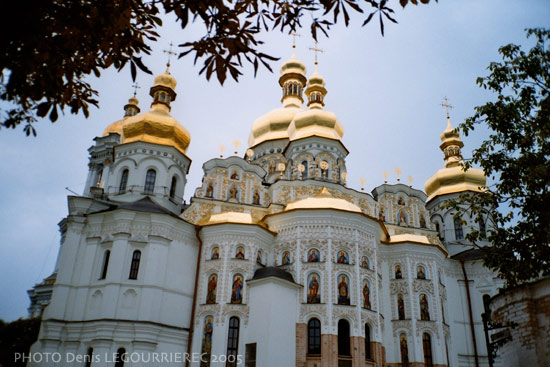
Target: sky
[386, 92]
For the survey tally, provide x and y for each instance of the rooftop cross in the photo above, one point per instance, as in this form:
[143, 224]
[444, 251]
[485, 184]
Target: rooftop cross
[294, 35]
[136, 87]
[170, 53]
[447, 105]
[316, 49]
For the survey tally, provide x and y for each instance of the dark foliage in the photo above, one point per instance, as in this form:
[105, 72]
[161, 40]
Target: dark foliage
[516, 155]
[54, 45]
[17, 337]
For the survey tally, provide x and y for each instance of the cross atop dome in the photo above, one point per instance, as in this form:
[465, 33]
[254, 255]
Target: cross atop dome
[294, 35]
[316, 50]
[170, 53]
[136, 87]
[447, 106]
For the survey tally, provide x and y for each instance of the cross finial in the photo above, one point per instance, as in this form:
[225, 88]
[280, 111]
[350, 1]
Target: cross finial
[447, 105]
[170, 53]
[294, 35]
[316, 49]
[136, 87]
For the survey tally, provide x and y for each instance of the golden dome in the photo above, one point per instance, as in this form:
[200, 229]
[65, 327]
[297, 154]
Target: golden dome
[292, 66]
[452, 178]
[156, 126]
[323, 200]
[274, 124]
[227, 217]
[166, 80]
[315, 121]
[115, 127]
[230, 217]
[130, 109]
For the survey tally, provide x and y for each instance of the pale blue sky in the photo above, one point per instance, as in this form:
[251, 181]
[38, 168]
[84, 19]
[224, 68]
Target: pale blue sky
[386, 92]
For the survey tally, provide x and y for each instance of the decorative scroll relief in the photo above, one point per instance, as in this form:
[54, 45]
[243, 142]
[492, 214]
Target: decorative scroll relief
[399, 286]
[422, 325]
[371, 318]
[238, 310]
[213, 309]
[442, 291]
[346, 312]
[399, 325]
[310, 310]
[423, 286]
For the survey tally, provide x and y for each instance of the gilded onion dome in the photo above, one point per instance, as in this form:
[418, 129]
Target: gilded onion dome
[315, 121]
[452, 178]
[156, 126]
[274, 124]
[323, 200]
[131, 109]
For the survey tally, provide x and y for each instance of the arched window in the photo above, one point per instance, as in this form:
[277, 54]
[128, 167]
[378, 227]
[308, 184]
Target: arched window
[285, 258]
[313, 288]
[232, 342]
[342, 257]
[206, 349]
[314, 336]
[427, 347]
[343, 338]
[99, 176]
[150, 178]
[459, 233]
[482, 228]
[368, 352]
[398, 273]
[400, 307]
[305, 173]
[343, 287]
[134, 267]
[89, 357]
[211, 289]
[438, 229]
[105, 264]
[420, 274]
[404, 349]
[120, 357]
[424, 309]
[173, 186]
[123, 181]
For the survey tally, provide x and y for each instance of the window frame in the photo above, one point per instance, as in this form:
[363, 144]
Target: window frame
[105, 264]
[233, 332]
[134, 265]
[427, 347]
[368, 349]
[149, 186]
[344, 342]
[123, 181]
[314, 337]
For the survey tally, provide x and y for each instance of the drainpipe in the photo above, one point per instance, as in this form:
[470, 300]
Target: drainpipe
[476, 358]
[192, 323]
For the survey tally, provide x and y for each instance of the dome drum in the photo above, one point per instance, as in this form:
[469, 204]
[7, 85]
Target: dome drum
[296, 76]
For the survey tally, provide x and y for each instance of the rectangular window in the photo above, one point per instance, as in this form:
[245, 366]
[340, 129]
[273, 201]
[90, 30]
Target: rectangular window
[134, 267]
[233, 342]
[459, 233]
[250, 359]
[105, 266]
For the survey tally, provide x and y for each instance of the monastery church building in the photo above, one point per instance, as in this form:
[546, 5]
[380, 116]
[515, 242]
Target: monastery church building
[274, 262]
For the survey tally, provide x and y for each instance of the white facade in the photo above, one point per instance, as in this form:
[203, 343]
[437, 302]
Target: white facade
[268, 247]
